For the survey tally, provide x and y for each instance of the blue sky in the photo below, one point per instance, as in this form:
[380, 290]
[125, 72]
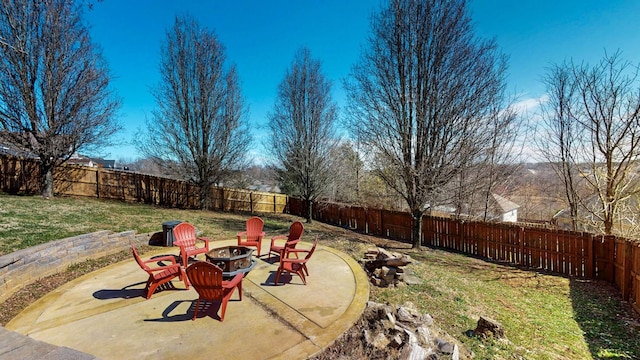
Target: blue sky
[261, 38]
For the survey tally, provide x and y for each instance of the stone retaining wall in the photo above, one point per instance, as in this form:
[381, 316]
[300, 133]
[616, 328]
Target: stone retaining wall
[25, 266]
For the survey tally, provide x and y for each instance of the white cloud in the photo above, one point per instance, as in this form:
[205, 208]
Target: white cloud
[529, 109]
[529, 106]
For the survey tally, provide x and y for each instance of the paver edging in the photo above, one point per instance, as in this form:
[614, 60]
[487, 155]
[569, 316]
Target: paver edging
[25, 266]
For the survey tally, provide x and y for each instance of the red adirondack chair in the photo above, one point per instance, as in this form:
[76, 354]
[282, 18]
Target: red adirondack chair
[295, 233]
[206, 278]
[185, 237]
[161, 274]
[296, 266]
[253, 235]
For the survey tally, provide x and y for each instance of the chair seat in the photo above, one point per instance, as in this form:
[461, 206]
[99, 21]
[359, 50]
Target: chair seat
[295, 266]
[159, 275]
[170, 271]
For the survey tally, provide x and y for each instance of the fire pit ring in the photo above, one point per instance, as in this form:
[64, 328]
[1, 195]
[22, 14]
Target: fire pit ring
[232, 260]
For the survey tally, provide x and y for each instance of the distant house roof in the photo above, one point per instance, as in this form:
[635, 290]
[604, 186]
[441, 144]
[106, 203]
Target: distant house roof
[264, 188]
[503, 204]
[108, 164]
[80, 160]
[11, 150]
[497, 206]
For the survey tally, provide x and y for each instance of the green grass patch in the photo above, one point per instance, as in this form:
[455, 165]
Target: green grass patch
[545, 316]
[33, 220]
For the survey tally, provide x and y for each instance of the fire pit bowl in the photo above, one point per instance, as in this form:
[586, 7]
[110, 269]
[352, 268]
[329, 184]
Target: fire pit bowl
[232, 259]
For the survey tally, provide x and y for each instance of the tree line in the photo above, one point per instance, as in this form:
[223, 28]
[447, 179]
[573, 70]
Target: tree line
[428, 118]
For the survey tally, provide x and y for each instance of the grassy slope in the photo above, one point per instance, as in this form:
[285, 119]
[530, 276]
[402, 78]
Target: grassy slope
[545, 317]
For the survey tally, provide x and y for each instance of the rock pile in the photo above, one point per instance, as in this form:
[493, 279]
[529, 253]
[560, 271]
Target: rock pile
[488, 327]
[405, 333]
[385, 268]
[387, 332]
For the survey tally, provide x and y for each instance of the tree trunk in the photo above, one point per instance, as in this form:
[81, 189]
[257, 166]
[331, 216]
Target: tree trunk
[46, 189]
[309, 211]
[609, 214]
[416, 229]
[205, 196]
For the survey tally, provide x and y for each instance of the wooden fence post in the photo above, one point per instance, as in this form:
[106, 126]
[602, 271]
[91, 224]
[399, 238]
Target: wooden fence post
[427, 229]
[521, 261]
[464, 246]
[98, 183]
[610, 242]
[626, 281]
[124, 194]
[590, 260]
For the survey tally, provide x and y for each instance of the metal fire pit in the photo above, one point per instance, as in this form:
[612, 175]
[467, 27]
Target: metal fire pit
[232, 260]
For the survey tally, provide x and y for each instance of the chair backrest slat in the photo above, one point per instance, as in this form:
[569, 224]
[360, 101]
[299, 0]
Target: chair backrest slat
[185, 233]
[295, 231]
[206, 278]
[254, 227]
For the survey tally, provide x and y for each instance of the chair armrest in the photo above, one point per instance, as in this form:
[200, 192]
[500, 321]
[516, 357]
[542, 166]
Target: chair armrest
[295, 242]
[279, 237]
[161, 258]
[293, 261]
[241, 234]
[295, 251]
[298, 250]
[205, 241]
[163, 268]
[233, 282]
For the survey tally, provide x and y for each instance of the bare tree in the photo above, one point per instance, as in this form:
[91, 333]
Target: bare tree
[475, 185]
[597, 133]
[198, 131]
[558, 143]
[303, 134]
[55, 98]
[347, 169]
[422, 96]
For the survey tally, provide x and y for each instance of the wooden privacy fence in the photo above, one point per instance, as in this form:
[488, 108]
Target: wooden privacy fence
[21, 176]
[567, 253]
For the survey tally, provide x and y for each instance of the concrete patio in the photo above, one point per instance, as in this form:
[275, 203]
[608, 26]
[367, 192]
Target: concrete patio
[104, 315]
